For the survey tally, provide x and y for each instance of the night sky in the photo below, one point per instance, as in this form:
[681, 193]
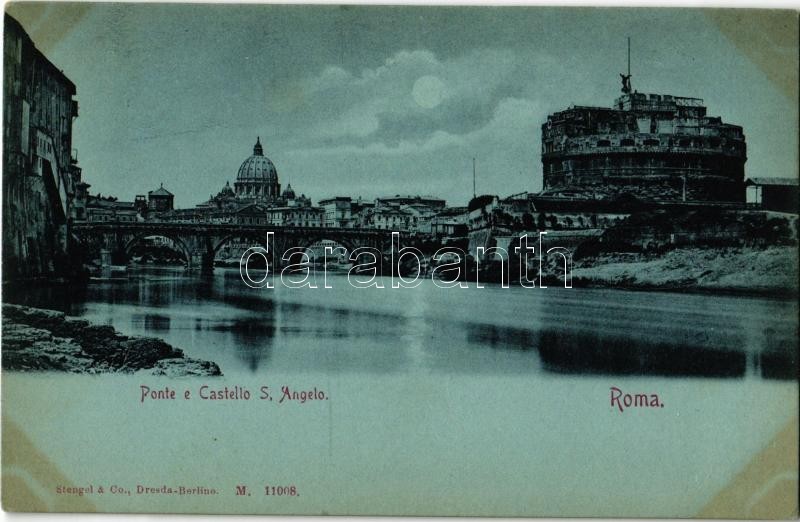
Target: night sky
[378, 101]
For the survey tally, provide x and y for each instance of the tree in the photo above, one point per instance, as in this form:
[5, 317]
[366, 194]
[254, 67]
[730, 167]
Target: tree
[541, 222]
[527, 221]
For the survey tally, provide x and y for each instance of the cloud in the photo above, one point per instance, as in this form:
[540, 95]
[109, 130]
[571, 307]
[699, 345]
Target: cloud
[512, 118]
[377, 106]
[382, 138]
[506, 148]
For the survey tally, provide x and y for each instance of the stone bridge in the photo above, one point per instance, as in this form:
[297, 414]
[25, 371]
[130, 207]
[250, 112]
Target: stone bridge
[200, 242]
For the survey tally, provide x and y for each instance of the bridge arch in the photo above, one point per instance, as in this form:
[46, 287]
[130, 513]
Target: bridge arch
[312, 246]
[255, 240]
[176, 240]
[314, 240]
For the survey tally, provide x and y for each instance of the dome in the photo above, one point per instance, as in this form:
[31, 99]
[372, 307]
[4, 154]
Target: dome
[288, 193]
[257, 167]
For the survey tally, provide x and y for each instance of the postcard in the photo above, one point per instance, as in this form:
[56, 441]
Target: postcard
[515, 261]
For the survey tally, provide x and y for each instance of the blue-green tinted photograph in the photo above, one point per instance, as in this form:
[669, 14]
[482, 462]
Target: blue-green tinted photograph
[400, 260]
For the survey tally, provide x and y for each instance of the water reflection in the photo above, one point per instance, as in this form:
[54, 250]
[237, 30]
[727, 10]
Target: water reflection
[154, 323]
[501, 337]
[251, 340]
[778, 364]
[579, 352]
[488, 331]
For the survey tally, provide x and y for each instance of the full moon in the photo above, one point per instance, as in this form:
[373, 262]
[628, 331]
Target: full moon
[428, 91]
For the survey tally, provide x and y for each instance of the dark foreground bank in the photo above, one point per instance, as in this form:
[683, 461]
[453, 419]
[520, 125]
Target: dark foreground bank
[45, 340]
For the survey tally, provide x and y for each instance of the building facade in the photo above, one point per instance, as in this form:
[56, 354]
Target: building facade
[648, 146]
[40, 173]
[387, 218]
[399, 213]
[450, 222]
[776, 194]
[108, 209]
[338, 212]
[296, 216]
[160, 200]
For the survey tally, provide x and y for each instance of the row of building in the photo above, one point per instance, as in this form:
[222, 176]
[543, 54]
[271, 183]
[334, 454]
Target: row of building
[597, 164]
[256, 199]
[648, 148]
[401, 213]
[658, 149]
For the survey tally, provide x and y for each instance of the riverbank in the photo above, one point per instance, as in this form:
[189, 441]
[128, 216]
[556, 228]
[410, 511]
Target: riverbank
[35, 339]
[771, 271]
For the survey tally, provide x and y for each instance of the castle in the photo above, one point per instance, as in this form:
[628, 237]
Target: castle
[648, 146]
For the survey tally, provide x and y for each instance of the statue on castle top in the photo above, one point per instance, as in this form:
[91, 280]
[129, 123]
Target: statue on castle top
[626, 83]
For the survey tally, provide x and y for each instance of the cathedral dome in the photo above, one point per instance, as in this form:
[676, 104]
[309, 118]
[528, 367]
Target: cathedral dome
[288, 193]
[226, 191]
[257, 167]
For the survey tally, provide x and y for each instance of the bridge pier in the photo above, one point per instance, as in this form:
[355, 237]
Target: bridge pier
[204, 261]
[207, 264]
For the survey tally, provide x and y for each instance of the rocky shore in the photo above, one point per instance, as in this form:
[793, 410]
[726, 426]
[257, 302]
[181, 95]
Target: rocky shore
[755, 271]
[45, 340]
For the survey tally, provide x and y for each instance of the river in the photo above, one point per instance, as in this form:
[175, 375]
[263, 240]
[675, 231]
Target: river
[478, 400]
[489, 330]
